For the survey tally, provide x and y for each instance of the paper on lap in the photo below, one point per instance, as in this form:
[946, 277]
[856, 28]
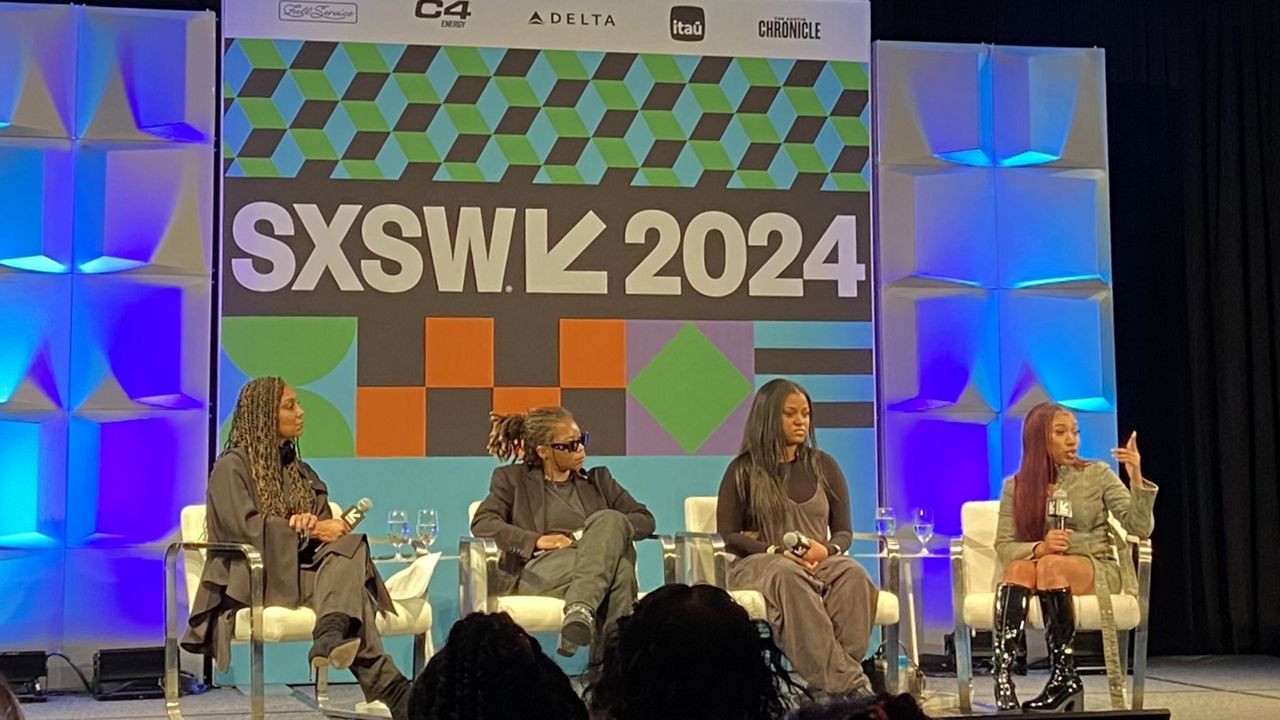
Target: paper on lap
[412, 581]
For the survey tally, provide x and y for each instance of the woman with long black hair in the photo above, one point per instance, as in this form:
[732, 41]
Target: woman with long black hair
[821, 603]
[262, 493]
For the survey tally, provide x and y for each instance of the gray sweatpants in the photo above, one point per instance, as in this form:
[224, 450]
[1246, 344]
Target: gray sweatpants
[598, 570]
[822, 619]
[339, 587]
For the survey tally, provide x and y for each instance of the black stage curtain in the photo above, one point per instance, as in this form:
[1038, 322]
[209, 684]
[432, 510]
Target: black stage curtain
[1193, 95]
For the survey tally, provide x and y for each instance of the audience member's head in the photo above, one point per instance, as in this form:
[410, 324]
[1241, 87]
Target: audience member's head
[881, 707]
[490, 669]
[685, 653]
[10, 709]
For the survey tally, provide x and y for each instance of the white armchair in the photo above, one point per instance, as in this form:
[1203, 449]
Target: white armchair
[478, 575]
[701, 557]
[258, 624]
[975, 573]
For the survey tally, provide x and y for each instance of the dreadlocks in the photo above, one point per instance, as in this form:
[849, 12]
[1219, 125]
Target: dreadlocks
[516, 435]
[283, 490]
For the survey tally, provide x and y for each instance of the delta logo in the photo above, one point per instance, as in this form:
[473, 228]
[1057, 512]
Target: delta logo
[575, 19]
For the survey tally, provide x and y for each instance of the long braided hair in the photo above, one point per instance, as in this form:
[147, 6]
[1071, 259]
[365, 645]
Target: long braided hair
[283, 489]
[519, 434]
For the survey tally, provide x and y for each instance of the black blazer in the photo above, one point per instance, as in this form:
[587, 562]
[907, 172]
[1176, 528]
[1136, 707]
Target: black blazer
[513, 513]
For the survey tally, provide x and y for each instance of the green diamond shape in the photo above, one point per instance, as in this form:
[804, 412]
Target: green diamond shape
[690, 388]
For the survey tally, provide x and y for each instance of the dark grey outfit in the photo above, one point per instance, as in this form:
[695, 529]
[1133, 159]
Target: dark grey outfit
[823, 619]
[334, 577]
[599, 569]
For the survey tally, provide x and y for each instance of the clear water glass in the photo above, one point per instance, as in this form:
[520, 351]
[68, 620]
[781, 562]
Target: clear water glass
[428, 527]
[398, 529]
[922, 524]
[886, 522]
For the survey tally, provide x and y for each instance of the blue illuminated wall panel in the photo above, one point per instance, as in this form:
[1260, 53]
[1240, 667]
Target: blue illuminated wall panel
[37, 87]
[994, 251]
[107, 165]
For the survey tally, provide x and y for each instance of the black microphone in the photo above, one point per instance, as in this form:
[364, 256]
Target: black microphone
[796, 542]
[1059, 509]
[356, 513]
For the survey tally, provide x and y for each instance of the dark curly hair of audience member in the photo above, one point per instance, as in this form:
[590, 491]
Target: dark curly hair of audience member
[491, 669]
[689, 653]
[880, 707]
[9, 707]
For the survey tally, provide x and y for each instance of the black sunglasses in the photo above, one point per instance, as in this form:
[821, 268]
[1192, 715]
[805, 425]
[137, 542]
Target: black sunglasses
[571, 445]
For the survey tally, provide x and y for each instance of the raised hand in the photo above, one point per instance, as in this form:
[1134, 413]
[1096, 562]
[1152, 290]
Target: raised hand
[1129, 457]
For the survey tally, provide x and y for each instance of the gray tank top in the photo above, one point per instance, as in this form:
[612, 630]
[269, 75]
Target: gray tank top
[811, 517]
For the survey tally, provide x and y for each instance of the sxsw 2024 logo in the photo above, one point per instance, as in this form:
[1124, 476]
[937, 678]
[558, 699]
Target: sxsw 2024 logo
[688, 23]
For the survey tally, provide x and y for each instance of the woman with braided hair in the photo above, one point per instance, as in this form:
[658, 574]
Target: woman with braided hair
[490, 669]
[564, 531]
[262, 493]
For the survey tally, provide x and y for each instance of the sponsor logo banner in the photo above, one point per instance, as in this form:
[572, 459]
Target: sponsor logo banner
[796, 29]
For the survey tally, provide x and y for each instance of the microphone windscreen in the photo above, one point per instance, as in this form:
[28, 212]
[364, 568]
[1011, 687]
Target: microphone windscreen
[364, 504]
[791, 539]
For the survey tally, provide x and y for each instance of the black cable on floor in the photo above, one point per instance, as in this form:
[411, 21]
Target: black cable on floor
[83, 680]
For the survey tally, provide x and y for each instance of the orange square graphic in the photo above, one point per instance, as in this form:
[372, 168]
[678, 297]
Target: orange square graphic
[508, 400]
[391, 422]
[459, 352]
[593, 353]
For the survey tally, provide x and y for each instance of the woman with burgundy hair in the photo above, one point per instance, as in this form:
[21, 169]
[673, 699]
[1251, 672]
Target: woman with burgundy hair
[1055, 564]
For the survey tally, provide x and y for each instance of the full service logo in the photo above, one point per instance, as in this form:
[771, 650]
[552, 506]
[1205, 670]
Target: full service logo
[450, 14]
[580, 19]
[791, 28]
[330, 12]
[688, 23]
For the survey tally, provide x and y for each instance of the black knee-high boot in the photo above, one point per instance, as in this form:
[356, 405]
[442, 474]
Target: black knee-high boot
[1011, 617]
[334, 641]
[397, 698]
[1064, 691]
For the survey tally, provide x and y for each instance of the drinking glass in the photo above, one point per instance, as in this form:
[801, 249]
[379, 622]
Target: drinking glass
[922, 524]
[428, 527]
[398, 529]
[886, 523]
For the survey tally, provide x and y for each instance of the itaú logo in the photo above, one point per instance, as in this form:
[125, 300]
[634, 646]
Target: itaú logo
[688, 23]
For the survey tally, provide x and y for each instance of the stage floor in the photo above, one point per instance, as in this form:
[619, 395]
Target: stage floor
[1191, 687]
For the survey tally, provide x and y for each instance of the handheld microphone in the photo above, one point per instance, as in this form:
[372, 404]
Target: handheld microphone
[356, 513]
[1059, 509]
[796, 542]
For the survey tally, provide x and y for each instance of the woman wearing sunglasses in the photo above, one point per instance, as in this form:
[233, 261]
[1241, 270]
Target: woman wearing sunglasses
[564, 531]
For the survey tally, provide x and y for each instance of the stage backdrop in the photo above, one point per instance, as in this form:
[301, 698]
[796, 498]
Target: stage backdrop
[108, 169]
[436, 209]
[994, 269]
